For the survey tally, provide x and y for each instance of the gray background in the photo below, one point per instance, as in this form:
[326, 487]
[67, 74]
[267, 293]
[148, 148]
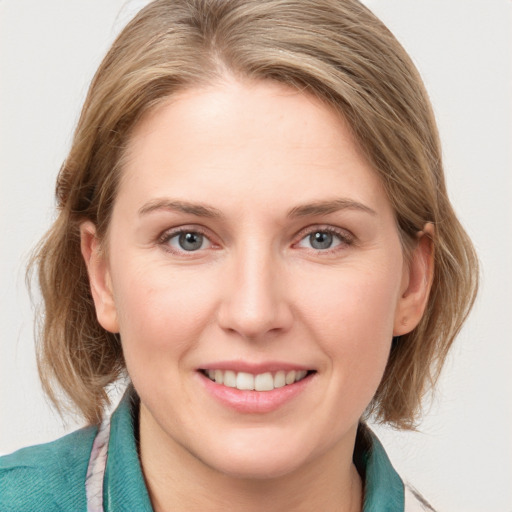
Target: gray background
[462, 457]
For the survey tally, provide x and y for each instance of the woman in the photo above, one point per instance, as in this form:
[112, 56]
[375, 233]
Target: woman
[253, 227]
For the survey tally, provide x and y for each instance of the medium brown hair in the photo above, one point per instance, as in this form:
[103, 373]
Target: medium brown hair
[335, 49]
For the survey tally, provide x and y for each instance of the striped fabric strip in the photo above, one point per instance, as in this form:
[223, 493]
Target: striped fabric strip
[414, 501]
[96, 468]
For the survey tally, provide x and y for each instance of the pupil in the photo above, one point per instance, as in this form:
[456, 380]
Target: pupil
[190, 241]
[321, 240]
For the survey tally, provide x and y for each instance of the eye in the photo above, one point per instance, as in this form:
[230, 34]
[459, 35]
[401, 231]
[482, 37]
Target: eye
[188, 241]
[324, 239]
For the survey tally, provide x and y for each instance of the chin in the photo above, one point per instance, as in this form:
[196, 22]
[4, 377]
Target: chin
[257, 468]
[258, 459]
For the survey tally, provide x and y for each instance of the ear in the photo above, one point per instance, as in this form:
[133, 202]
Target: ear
[416, 283]
[99, 277]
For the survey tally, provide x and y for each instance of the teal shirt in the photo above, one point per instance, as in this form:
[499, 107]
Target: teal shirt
[51, 477]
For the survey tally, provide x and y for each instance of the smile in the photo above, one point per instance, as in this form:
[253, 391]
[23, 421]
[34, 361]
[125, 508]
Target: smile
[244, 381]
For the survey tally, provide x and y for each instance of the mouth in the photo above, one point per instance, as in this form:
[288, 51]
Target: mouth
[267, 381]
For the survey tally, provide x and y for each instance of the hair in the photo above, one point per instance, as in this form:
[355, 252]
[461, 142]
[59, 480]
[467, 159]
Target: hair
[336, 50]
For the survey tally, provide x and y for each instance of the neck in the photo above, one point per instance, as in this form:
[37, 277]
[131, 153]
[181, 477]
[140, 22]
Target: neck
[179, 481]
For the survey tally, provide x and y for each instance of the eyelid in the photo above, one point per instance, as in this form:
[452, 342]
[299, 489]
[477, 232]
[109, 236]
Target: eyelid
[170, 233]
[346, 237]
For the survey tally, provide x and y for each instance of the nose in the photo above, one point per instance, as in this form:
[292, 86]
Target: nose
[255, 302]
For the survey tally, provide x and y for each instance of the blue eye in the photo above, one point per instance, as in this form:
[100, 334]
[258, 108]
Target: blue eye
[323, 240]
[188, 241]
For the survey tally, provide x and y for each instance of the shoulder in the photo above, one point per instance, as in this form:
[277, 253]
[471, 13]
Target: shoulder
[48, 476]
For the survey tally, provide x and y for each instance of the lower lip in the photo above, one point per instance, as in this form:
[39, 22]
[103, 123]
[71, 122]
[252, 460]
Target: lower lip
[254, 402]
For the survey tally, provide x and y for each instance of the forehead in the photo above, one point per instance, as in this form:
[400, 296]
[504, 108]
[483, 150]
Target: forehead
[254, 139]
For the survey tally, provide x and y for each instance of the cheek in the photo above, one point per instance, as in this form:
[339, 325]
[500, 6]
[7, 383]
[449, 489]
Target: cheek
[160, 310]
[356, 303]
[353, 318]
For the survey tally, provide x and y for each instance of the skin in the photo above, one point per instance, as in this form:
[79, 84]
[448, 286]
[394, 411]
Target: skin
[253, 154]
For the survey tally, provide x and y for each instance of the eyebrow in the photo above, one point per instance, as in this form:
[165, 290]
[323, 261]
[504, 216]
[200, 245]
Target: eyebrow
[202, 210]
[197, 209]
[326, 207]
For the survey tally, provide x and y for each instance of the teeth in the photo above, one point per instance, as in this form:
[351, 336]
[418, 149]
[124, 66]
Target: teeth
[218, 376]
[280, 379]
[244, 381]
[229, 379]
[260, 382]
[264, 382]
[300, 375]
[290, 377]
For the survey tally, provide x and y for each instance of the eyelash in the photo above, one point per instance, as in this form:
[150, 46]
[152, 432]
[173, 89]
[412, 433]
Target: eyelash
[345, 237]
[166, 236]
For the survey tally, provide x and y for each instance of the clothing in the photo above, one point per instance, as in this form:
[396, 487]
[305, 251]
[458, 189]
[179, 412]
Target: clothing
[52, 477]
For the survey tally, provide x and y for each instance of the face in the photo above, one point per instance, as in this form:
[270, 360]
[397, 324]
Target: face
[255, 275]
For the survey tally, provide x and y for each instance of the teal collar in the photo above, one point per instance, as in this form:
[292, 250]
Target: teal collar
[383, 488]
[124, 487]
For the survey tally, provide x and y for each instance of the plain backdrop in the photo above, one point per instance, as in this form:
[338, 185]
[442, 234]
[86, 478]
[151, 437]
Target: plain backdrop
[461, 459]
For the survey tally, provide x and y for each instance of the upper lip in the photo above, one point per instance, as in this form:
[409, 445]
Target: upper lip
[254, 368]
